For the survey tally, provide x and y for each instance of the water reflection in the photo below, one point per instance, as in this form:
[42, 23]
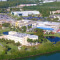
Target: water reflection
[53, 39]
[51, 56]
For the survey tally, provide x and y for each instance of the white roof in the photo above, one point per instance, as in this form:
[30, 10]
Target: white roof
[35, 12]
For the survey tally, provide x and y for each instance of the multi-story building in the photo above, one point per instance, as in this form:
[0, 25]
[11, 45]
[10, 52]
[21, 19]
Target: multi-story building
[20, 37]
[25, 13]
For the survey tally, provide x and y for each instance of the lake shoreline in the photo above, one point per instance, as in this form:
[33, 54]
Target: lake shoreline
[37, 54]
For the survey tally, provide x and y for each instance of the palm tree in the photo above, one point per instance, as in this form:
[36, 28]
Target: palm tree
[35, 41]
[30, 41]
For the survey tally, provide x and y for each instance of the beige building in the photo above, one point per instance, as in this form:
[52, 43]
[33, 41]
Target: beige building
[24, 23]
[20, 37]
[53, 12]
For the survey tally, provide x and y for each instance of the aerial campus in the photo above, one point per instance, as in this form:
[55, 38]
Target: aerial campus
[27, 29]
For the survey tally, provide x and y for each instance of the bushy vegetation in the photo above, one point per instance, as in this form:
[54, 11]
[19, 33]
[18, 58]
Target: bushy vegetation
[9, 42]
[45, 8]
[8, 46]
[6, 24]
[33, 50]
[13, 3]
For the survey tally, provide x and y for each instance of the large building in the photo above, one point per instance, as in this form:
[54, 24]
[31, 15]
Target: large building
[46, 1]
[25, 13]
[24, 23]
[20, 37]
[47, 25]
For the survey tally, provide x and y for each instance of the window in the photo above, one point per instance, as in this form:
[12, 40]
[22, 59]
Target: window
[20, 14]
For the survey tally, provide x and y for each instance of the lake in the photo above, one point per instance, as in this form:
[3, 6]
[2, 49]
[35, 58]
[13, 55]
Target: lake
[53, 39]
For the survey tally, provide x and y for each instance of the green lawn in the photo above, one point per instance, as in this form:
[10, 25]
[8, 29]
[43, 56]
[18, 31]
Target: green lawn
[57, 35]
[12, 46]
[4, 30]
[1, 50]
[30, 32]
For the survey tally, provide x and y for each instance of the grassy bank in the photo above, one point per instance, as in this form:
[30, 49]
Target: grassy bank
[57, 35]
[25, 51]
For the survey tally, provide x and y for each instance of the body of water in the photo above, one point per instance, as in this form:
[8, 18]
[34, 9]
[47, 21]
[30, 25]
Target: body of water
[5, 33]
[53, 39]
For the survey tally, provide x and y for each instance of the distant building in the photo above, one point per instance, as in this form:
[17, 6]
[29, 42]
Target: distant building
[48, 1]
[54, 12]
[55, 16]
[3, 0]
[58, 0]
[25, 13]
[24, 23]
[52, 26]
[22, 5]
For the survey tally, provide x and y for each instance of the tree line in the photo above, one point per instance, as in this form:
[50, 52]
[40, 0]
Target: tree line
[9, 3]
[45, 8]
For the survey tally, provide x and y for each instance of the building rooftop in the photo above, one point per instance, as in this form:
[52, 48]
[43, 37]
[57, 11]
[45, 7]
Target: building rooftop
[23, 35]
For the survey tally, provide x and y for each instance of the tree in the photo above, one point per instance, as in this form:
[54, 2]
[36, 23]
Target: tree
[0, 26]
[39, 32]
[29, 27]
[17, 44]
[34, 41]
[39, 41]
[23, 29]
[58, 43]
[30, 41]
[6, 25]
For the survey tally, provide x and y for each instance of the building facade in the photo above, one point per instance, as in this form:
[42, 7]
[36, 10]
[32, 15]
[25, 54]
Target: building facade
[20, 37]
[25, 13]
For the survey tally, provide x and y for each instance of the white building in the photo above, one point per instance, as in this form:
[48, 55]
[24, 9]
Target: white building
[3, 0]
[20, 37]
[25, 13]
[22, 5]
[48, 1]
[53, 25]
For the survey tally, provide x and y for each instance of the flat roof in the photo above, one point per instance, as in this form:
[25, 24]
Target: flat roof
[44, 28]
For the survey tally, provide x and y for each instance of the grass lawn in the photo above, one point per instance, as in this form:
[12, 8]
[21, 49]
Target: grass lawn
[4, 30]
[29, 32]
[57, 35]
[12, 46]
[1, 49]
